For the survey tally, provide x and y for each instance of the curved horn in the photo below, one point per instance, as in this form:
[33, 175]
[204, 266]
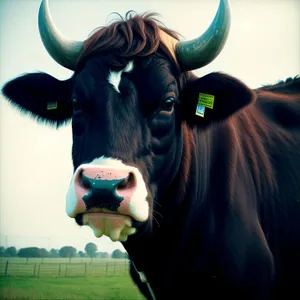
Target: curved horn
[63, 51]
[201, 51]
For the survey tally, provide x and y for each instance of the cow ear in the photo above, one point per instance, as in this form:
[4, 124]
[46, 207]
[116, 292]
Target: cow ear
[213, 98]
[42, 96]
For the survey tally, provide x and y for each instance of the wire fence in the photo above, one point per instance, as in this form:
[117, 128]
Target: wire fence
[64, 269]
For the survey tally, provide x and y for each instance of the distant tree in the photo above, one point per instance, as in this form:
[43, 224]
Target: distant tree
[91, 249]
[2, 251]
[103, 255]
[81, 254]
[118, 254]
[44, 253]
[29, 252]
[67, 251]
[10, 252]
[54, 253]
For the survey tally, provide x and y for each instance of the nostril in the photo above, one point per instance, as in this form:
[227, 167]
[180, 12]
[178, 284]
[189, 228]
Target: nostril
[127, 183]
[83, 181]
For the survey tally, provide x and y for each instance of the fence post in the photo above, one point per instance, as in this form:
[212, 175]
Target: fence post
[114, 267]
[106, 268]
[39, 270]
[6, 268]
[59, 269]
[85, 269]
[66, 269]
[34, 269]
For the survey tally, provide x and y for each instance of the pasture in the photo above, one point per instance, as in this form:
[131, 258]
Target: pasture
[78, 278]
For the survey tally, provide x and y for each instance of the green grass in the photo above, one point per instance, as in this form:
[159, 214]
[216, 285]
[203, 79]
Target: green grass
[93, 288]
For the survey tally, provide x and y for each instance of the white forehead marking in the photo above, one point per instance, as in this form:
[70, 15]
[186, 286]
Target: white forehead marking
[103, 160]
[114, 77]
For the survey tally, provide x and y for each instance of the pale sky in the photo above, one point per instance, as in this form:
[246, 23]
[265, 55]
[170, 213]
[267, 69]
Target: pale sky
[263, 47]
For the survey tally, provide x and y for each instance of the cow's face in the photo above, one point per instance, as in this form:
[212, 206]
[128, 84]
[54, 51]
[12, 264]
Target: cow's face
[126, 141]
[127, 124]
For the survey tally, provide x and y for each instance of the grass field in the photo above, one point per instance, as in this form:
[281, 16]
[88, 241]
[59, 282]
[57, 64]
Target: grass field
[90, 288]
[65, 279]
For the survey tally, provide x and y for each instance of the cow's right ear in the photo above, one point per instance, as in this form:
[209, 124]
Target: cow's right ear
[213, 98]
[42, 96]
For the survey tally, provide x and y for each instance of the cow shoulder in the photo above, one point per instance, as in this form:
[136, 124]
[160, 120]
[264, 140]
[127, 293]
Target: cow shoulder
[281, 102]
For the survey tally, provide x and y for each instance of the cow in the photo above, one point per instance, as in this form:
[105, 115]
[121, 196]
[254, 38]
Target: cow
[198, 177]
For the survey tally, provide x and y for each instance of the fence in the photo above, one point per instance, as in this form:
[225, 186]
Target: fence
[64, 269]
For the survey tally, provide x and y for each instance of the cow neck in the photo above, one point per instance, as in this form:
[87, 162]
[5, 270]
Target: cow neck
[136, 248]
[144, 279]
[137, 245]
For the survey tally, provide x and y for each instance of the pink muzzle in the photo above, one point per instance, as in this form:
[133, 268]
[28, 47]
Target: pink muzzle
[109, 196]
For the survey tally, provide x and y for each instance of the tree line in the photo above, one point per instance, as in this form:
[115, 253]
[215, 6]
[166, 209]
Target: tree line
[90, 250]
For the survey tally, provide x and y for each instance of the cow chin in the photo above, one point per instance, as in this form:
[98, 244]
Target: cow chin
[115, 226]
[124, 207]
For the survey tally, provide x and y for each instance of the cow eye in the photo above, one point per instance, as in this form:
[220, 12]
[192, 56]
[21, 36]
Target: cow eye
[75, 104]
[169, 104]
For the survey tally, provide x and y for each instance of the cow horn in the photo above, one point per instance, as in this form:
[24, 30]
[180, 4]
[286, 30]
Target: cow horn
[63, 51]
[201, 51]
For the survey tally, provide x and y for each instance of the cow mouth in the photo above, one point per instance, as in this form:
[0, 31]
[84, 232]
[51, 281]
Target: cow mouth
[114, 225]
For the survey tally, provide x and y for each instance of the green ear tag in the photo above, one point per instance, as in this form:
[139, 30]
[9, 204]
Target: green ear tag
[204, 100]
[51, 105]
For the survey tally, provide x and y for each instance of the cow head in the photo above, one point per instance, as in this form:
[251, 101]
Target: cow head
[129, 99]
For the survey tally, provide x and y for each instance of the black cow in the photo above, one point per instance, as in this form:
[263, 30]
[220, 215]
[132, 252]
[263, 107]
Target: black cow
[199, 178]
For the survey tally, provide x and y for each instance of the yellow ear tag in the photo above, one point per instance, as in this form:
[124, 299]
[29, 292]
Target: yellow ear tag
[51, 105]
[204, 100]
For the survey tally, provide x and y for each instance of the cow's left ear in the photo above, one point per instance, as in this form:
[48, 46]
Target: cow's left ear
[44, 97]
[213, 98]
